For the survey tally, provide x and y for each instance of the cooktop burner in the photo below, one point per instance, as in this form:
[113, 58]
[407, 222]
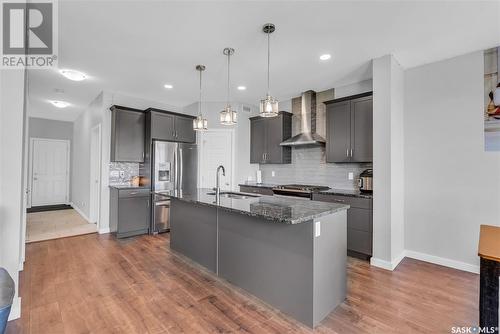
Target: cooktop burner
[302, 187]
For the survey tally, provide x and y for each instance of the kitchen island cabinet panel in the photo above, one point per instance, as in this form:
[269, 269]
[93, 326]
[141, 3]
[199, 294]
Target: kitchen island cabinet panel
[193, 232]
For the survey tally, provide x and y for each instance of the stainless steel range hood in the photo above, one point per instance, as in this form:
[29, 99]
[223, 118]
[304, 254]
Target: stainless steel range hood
[307, 135]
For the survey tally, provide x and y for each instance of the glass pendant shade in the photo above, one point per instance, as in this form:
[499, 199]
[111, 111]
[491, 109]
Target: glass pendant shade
[269, 107]
[200, 123]
[228, 116]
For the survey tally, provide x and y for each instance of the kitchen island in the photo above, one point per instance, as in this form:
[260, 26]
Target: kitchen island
[291, 253]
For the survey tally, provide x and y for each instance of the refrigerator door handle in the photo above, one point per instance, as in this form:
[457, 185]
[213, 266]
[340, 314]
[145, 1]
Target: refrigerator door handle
[181, 167]
[176, 170]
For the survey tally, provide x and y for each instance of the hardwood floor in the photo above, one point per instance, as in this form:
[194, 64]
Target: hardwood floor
[97, 284]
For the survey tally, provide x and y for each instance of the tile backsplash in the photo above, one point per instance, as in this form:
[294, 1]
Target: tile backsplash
[121, 173]
[309, 167]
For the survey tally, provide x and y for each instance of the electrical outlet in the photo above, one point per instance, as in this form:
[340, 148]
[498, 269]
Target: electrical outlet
[350, 176]
[273, 174]
[317, 229]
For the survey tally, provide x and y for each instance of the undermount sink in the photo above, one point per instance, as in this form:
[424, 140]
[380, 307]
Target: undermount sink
[230, 194]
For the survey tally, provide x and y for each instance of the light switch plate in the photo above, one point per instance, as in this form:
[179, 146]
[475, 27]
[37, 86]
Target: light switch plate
[350, 176]
[317, 229]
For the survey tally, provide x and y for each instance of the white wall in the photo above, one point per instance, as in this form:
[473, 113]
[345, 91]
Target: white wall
[388, 163]
[353, 89]
[12, 113]
[242, 169]
[452, 184]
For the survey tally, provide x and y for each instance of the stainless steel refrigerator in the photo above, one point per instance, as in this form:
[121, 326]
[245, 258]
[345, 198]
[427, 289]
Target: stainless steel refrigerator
[174, 168]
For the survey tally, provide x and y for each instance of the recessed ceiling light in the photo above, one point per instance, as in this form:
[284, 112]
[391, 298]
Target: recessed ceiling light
[60, 104]
[325, 56]
[242, 88]
[167, 86]
[73, 75]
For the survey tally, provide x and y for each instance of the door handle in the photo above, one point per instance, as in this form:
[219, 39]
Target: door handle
[351, 152]
[346, 152]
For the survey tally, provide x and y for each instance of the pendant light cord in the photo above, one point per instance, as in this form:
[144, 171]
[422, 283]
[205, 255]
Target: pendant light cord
[199, 104]
[228, 76]
[268, 60]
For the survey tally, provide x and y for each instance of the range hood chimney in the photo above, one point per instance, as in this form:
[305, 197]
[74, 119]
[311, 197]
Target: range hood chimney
[307, 135]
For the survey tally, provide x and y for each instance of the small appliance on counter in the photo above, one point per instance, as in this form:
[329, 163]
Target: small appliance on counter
[365, 181]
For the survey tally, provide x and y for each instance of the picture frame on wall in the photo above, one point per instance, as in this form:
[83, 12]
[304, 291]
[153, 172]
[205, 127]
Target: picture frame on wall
[492, 99]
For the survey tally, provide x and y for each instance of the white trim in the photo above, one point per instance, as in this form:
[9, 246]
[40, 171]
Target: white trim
[30, 167]
[104, 230]
[443, 261]
[99, 175]
[77, 209]
[386, 264]
[15, 311]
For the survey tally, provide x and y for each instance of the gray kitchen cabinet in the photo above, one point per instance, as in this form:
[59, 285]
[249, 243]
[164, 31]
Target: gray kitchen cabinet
[193, 232]
[129, 211]
[349, 129]
[170, 126]
[256, 190]
[359, 223]
[266, 134]
[128, 127]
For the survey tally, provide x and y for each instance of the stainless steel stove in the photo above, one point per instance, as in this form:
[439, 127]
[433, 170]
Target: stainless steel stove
[298, 190]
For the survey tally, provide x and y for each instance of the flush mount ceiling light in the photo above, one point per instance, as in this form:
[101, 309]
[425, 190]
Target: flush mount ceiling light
[73, 75]
[168, 86]
[60, 104]
[269, 105]
[200, 123]
[228, 115]
[325, 56]
[242, 88]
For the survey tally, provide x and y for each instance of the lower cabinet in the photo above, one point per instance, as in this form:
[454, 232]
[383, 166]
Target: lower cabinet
[359, 223]
[130, 212]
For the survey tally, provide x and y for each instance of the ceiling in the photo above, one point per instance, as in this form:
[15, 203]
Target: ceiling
[135, 47]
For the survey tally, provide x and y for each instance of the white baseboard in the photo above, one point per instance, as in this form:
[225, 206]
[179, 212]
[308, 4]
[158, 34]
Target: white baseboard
[77, 209]
[443, 261]
[15, 311]
[386, 264]
[104, 230]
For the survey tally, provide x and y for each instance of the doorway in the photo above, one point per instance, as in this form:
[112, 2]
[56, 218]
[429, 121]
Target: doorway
[49, 177]
[216, 148]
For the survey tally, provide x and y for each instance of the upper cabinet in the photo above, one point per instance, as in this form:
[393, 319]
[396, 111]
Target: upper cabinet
[349, 129]
[127, 134]
[171, 126]
[266, 134]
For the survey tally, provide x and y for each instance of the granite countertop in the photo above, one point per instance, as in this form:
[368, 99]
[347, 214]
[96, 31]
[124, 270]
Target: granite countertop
[127, 186]
[272, 208]
[258, 185]
[346, 192]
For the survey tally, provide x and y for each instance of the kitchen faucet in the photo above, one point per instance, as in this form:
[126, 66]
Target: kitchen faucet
[217, 188]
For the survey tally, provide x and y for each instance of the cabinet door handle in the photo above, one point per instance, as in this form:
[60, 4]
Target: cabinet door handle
[347, 152]
[133, 193]
[351, 152]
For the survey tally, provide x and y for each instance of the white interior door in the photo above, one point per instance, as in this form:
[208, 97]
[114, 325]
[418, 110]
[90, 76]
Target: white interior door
[50, 172]
[95, 174]
[216, 148]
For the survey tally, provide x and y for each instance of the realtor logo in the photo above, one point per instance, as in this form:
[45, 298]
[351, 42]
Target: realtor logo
[28, 34]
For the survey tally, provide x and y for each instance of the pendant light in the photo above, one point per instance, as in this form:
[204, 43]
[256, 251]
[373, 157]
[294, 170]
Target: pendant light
[228, 115]
[200, 123]
[269, 105]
